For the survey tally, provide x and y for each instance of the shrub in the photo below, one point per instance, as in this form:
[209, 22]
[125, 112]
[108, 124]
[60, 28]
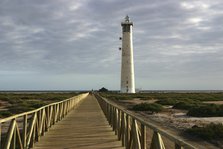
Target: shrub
[103, 89]
[167, 101]
[22, 102]
[209, 110]
[211, 131]
[153, 107]
[4, 114]
[186, 105]
[170, 98]
[19, 109]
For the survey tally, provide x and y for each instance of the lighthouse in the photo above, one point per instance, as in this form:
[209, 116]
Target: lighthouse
[127, 66]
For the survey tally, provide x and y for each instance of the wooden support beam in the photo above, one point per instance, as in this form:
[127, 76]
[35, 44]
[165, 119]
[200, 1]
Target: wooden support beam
[31, 128]
[137, 144]
[177, 146]
[19, 140]
[157, 142]
[10, 133]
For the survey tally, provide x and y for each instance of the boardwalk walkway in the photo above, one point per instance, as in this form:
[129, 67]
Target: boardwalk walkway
[84, 128]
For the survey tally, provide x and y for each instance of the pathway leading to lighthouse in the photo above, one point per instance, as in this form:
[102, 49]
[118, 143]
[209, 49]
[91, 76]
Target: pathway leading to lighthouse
[84, 128]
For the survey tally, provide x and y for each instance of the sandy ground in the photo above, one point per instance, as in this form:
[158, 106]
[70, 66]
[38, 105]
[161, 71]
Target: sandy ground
[176, 118]
[3, 105]
[214, 102]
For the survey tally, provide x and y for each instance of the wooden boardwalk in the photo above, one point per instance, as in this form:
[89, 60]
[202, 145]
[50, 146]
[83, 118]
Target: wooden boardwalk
[83, 128]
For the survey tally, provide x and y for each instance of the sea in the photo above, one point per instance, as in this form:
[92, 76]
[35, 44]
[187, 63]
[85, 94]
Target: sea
[78, 91]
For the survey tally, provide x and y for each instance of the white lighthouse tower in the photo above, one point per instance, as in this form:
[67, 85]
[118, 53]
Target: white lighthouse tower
[127, 70]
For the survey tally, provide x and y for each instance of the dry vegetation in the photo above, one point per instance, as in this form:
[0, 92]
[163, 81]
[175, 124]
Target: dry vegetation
[14, 103]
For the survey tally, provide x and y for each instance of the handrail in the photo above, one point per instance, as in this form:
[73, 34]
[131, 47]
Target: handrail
[131, 129]
[23, 130]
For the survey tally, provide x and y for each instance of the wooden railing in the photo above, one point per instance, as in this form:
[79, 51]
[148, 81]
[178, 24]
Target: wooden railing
[132, 130]
[21, 131]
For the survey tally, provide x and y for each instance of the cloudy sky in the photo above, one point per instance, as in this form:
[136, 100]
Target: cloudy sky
[73, 44]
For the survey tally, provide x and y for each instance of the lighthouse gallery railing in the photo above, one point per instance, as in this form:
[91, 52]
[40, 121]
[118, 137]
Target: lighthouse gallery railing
[131, 130]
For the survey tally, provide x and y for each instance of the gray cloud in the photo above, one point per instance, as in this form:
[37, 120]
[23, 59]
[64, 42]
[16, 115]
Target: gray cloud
[177, 42]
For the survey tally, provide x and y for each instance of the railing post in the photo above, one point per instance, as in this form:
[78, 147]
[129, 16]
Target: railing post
[110, 115]
[54, 114]
[39, 118]
[107, 112]
[127, 131]
[143, 136]
[33, 136]
[47, 118]
[73, 104]
[50, 116]
[14, 140]
[136, 139]
[123, 125]
[60, 111]
[63, 109]
[42, 128]
[67, 107]
[157, 142]
[177, 146]
[115, 120]
[57, 112]
[118, 124]
[24, 131]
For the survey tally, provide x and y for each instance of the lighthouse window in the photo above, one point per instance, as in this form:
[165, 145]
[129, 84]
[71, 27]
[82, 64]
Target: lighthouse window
[127, 82]
[126, 28]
